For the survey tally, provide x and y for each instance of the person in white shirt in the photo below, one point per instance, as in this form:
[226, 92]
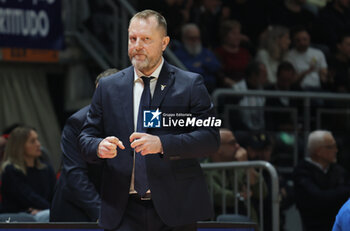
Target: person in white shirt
[309, 63]
[274, 44]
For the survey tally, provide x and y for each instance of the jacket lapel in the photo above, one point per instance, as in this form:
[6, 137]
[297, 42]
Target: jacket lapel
[127, 97]
[164, 82]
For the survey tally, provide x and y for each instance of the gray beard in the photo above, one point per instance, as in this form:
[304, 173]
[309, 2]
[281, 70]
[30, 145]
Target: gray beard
[193, 50]
[140, 65]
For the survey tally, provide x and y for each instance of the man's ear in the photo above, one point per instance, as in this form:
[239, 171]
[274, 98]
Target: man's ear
[165, 42]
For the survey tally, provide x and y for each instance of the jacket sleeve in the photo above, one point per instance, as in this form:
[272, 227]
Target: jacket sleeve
[92, 130]
[84, 193]
[200, 141]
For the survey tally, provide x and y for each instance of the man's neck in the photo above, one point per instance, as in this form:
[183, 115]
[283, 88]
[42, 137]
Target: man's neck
[320, 163]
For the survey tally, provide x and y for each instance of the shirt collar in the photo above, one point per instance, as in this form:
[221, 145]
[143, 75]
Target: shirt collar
[317, 164]
[155, 73]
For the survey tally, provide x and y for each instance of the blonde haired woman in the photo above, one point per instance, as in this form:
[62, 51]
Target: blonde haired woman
[27, 182]
[274, 43]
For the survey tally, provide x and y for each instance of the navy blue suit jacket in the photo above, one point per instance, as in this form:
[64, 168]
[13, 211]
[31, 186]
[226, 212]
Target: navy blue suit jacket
[179, 192]
[76, 197]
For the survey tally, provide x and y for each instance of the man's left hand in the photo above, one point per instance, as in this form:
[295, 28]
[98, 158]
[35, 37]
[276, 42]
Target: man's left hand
[146, 143]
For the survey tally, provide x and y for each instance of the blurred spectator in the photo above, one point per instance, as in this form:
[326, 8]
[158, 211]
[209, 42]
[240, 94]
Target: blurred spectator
[281, 120]
[3, 141]
[233, 57]
[77, 190]
[197, 58]
[332, 22]
[208, 18]
[273, 46]
[339, 65]
[177, 13]
[230, 150]
[252, 111]
[309, 63]
[260, 146]
[27, 182]
[45, 156]
[292, 13]
[252, 14]
[321, 185]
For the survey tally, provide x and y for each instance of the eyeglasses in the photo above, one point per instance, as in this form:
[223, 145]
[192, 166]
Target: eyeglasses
[330, 146]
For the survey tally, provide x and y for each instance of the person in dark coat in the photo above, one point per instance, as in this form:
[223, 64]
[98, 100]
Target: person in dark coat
[321, 185]
[77, 197]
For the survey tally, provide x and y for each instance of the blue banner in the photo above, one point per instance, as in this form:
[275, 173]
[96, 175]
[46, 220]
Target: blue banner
[32, 24]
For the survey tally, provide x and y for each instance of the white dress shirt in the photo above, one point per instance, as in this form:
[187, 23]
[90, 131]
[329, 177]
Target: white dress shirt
[138, 89]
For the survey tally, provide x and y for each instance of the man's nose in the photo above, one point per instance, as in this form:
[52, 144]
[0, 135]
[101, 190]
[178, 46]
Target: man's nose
[138, 44]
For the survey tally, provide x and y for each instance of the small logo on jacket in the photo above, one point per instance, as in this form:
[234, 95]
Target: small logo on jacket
[151, 118]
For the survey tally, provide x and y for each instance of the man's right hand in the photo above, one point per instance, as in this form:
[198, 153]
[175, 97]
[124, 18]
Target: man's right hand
[108, 147]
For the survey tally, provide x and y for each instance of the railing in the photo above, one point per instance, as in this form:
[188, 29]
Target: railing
[305, 97]
[260, 165]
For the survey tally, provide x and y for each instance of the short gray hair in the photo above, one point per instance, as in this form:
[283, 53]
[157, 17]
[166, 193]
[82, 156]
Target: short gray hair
[315, 140]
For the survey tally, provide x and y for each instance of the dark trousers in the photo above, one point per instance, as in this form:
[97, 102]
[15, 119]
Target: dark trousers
[141, 216]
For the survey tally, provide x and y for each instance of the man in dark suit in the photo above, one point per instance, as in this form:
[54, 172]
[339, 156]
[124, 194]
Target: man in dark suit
[321, 184]
[151, 177]
[76, 197]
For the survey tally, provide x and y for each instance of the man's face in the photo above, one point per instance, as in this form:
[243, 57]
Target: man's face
[344, 47]
[147, 42]
[284, 42]
[233, 37]
[192, 41]
[302, 41]
[327, 152]
[285, 79]
[228, 146]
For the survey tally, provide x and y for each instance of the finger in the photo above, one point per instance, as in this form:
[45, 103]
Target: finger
[140, 148]
[137, 142]
[144, 151]
[112, 139]
[120, 145]
[107, 153]
[136, 135]
[109, 146]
